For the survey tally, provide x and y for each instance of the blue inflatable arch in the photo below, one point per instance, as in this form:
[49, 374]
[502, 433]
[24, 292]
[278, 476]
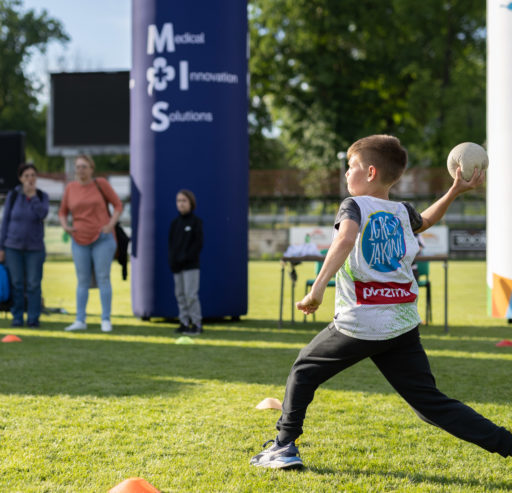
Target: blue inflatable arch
[188, 129]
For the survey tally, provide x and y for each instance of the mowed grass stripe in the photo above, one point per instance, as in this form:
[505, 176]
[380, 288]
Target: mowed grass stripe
[80, 412]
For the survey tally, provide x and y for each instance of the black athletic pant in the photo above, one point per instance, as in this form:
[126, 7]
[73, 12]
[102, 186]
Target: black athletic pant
[403, 362]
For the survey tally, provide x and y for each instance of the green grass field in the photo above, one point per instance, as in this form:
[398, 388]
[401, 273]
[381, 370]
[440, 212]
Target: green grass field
[80, 412]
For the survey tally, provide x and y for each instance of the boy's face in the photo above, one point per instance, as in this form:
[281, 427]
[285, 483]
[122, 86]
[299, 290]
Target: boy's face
[357, 177]
[182, 204]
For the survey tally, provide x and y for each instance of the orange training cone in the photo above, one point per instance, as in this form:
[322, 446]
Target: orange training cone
[134, 485]
[11, 338]
[504, 342]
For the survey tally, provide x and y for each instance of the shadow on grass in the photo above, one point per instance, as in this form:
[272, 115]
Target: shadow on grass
[244, 330]
[92, 364]
[416, 479]
[460, 338]
[270, 323]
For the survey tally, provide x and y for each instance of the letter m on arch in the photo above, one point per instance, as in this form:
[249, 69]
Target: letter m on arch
[160, 41]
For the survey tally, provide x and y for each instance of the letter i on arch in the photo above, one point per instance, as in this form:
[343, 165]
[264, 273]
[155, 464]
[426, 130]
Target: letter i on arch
[184, 75]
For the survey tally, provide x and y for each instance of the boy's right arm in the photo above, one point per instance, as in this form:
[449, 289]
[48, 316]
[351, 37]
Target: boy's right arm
[438, 209]
[336, 256]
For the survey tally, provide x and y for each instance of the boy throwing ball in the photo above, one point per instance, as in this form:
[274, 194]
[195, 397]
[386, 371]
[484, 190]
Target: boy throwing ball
[375, 311]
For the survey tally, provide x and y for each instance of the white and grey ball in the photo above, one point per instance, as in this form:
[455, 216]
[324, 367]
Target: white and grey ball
[468, 156]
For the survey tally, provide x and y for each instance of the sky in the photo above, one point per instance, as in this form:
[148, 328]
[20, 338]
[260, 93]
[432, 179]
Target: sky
[100, 36]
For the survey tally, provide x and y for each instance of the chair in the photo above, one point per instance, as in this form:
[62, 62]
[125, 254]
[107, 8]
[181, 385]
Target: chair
[423, 269]
[310, 282]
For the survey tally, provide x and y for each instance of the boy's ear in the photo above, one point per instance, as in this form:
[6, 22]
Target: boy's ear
[372, 173]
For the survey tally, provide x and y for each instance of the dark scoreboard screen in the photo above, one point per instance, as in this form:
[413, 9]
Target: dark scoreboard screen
[90, 109]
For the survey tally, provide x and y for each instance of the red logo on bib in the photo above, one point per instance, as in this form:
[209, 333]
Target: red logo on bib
[383, 293]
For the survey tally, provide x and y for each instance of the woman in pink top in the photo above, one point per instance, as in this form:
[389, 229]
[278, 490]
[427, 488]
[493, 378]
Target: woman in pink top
[92, 231]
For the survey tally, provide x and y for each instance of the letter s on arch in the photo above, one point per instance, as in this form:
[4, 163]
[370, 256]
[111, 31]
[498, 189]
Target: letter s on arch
[159, 113]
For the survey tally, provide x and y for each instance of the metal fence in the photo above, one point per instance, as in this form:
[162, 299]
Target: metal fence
[281, 213]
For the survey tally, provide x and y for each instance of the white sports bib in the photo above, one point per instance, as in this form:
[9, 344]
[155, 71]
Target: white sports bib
[376, 292]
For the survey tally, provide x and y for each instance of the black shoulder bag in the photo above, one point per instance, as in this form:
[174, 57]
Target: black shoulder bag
[122, 239]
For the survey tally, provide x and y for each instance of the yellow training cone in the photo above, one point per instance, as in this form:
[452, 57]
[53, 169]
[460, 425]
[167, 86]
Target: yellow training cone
[184, 340]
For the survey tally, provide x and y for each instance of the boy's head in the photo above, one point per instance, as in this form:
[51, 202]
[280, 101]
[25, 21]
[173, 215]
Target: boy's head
[384, 153]
[185, 201]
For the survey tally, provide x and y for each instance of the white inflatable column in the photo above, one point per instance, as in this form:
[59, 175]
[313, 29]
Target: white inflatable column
[499, 176]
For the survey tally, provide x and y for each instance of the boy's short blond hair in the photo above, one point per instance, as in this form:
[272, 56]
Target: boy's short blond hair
[384, 152]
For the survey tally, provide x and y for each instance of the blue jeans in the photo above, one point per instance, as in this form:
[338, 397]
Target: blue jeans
[25, 271]
[99, 254]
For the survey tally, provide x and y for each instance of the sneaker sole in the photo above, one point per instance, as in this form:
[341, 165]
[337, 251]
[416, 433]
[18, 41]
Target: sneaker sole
[280, 465]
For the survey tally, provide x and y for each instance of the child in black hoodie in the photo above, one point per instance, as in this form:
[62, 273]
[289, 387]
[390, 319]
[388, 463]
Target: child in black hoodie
[185, 244]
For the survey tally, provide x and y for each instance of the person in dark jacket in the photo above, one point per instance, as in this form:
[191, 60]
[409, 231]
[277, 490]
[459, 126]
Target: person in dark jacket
[185, 244]
[22, 244]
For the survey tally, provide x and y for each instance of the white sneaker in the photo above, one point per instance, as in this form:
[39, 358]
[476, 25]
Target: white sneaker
[106, 326]
[76, 325]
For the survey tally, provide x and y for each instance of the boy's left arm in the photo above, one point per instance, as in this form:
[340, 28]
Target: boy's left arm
[336, 256]
[438, 209]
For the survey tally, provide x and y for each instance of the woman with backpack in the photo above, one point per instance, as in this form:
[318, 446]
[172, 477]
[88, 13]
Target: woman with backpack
[22, 244]
[93, 243]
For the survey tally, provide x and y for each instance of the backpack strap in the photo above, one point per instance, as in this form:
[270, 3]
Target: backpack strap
[103, 195]
[9, 204]
[14, 196]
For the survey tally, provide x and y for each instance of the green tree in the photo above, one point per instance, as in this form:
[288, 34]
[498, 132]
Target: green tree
[108, 163]
[23, 33]
[333, 71]
[266, 151]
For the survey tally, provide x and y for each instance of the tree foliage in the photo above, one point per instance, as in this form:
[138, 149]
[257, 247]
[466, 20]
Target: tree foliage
[22, 33]
[323, 73]
[329, 72]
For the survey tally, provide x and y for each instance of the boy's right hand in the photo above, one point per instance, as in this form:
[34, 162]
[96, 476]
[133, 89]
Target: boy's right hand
[460, 185]
[310, 303]
[438, 209]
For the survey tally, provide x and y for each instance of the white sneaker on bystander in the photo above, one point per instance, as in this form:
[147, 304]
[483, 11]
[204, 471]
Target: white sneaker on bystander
[76, 325]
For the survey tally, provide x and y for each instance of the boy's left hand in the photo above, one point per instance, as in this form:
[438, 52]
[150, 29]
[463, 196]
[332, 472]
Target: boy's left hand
[309, 304]
[460, 185]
